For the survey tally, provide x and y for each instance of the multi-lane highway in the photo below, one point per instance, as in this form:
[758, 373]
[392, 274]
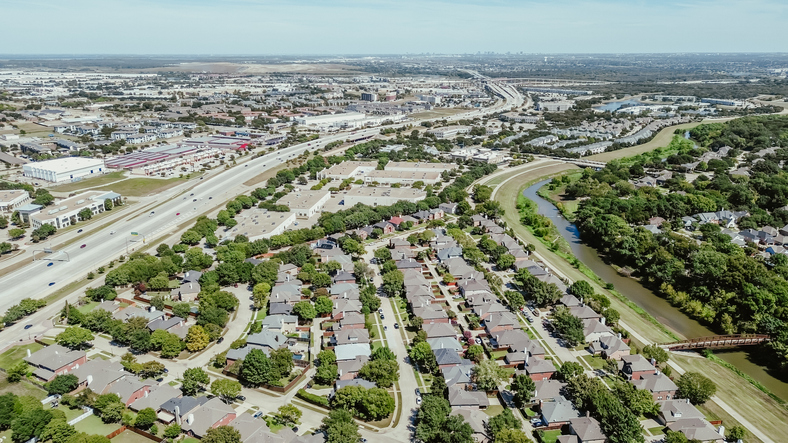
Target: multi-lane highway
[176, 207]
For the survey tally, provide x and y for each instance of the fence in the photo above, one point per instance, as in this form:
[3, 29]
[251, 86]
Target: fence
[88, 413]
[147, 435]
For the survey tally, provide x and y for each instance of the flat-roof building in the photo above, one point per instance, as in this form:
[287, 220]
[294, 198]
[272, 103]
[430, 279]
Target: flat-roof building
[11, 199]
[258, 223]
[305, 203]
[65, 213]
[449, 131]
[379, 196]
[331, 120]
[402, 177]
[346, 170]
[419, 166]
[64, 169]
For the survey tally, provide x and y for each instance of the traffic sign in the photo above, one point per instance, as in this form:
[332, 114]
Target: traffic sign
[135, 233]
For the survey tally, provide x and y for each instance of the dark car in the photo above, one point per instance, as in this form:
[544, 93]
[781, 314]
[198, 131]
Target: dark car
[210, 198]
[396, 325]
[194, 200]
[52, 284]
[221, 339]
[241, 398]
[382, 317]
[83, 246]
[79, 231]
[50, 263]
[28, 326]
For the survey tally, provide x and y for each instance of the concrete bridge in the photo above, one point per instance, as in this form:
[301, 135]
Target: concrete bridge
[716, 341]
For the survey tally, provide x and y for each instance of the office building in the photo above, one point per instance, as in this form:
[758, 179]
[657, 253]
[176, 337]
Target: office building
[305, 203]
[66, 212]
[378, 196]
[258, 223]
[11, 199]
[64, 169]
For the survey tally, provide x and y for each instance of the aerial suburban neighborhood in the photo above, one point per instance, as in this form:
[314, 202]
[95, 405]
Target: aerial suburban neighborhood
[458, 246]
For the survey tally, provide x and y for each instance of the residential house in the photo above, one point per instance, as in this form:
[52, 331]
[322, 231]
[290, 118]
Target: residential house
[343, 305]
[570, 301]
[187, 292]
[345, 290]
[99, 375]
[284, 324]
[610, 347]
[448, 208]
[408, 264]
[349, 336]
[583, 312]
[558, 413]
[352, 320]
[459, 397]
[539, 369]
[587, 430]
[594, 329]
[436, 330]
[129, 389]
[500, 321]
[157, 396]
[431, 313]
[344, 278]
[211, 414]
[659, 384]
[386, 227]
[447, 357]
[191, 276]
[477, 419]
[458, 375]
[548, 390]
[697, 429]
[635, 366]
[174, 409]
[280, 309]
[672, 410]
[395, 242]
[348, 369]
[150, 314]
[55, 360]
[445, 343]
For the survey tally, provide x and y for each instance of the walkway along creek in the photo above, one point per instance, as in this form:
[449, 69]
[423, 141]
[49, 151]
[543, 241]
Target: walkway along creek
[657, 306]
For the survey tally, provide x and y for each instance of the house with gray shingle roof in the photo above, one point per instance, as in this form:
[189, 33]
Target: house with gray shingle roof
[459, 397]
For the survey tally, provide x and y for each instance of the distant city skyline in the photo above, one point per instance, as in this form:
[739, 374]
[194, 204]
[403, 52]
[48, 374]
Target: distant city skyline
[390, 27]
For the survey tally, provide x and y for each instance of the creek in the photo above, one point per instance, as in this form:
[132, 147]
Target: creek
[668, 315]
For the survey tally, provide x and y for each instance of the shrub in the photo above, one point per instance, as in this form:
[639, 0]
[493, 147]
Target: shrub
[312, 398]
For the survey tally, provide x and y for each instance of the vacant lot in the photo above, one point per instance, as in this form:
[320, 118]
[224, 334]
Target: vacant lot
[90, 182]
[14, 355]
[438, 113]
[22, 388]
[139, 187]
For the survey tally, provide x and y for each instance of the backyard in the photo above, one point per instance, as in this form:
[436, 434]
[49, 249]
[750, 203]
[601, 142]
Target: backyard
[14, 355]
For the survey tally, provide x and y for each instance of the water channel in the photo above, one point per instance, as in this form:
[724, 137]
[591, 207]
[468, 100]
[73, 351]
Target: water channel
[657, 306]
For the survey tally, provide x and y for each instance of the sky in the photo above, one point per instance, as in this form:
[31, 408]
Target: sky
[315, 27]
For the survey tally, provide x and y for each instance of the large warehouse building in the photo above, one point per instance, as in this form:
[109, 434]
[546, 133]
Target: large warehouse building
[64, 169]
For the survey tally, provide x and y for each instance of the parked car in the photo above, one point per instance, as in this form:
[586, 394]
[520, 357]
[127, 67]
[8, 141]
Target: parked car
[382, 316]
[478, 341]
[194, 200]
[535, 422]
[241, 398]
[418, 400]
[111, 232]
[221, 339]
[257, 414]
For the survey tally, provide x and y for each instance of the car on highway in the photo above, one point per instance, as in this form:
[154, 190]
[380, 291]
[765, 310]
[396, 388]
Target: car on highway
[50, 263]
[111, 232]
[79, 231]
[51, 283]
[194, 200]
[210, 198]
[177, 214]
[28, 326]
[84, 245]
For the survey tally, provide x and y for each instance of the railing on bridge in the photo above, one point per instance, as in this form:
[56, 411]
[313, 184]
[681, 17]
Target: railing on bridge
[717, 341]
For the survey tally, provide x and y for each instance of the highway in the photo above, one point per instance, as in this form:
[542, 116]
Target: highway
[37, 279]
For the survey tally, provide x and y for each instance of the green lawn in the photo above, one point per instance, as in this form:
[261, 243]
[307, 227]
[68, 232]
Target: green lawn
[549, 436]
[70, 413]
[656, 431]
[130, 437]
[94, 425]
[14, 355]
[190, 440]
[498, 354]
[493, 410]
[594, 362]
[87, 307]
[90, 182]
[138, 187]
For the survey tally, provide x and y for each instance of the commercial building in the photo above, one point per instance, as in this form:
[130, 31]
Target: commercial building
[161, 158]
[346, 170]
[402, 177]
[723, 102]
[260, 223]
[305, 203]
[559, 106]
[65, 213]
[419, 166]
[219, 142]
[382, 196]
[64, 169]
[13, 198]
[332, 120]
[369, 97]
[449, 131]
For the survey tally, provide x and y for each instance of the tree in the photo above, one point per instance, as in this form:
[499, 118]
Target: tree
[421, 354]
[515, 299]
[523, 388]
[569, 370]
[145, 418]
[74, 337]
[488, 375]
[658, 354]
[257, 369]
[736, 433]
[696, 387]
[326, 373]
[340, 427]
[305, 310]
[15, 233]
[58, 430]
[382, 372]
[288, 415]
[383, 353]
[321, 280]
[62, 384]
[222, 434]
[194, 380]
[7, 412]
[19, 370]
[570, 326]
[581, 289]
[107, 204]
[475, 353]
[393, 283]
[434, 425]
[326, 357]
[30, 423]
[675, 437]
[226, 389]
[639, 401]
[281, 362]
[85, 214]
[196, 339]
[505, 262]
[376, 404]
[511, 436]
[172, 431]
[323, 305]
[504, 420]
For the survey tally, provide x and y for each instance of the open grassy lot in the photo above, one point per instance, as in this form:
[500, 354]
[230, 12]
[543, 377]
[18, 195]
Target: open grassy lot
[87, 307]
[662, 138]
[438, 113]
[90, 182]
[14, 355]
[21, 388]
[138, 187]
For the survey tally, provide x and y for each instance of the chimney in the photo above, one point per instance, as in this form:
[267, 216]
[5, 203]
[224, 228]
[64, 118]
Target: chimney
[619, 336]
[190, 419]
[152, 308]
[688, 402]
[653, 361]
[89, 379]
[721, 430]
[602, 320]
[28, 352]
[178, 415]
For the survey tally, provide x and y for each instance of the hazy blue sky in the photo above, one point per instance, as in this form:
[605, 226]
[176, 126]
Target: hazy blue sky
[390, 26]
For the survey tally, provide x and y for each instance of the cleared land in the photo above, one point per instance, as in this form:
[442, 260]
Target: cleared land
[14, 355]
[662, 138]
[439, 112]
[90, 182]
[22, 388]
[139, 187]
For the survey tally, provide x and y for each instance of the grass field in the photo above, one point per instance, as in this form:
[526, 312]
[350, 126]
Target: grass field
[87, 307]
[90, 182]
[662, 138]
[94, 425]
[138, 187]
[14, 355]
[550, 436]
[438, 113]
[22, 388]
[130, 437]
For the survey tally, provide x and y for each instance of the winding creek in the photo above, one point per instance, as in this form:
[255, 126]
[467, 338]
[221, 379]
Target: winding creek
[648, 300]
